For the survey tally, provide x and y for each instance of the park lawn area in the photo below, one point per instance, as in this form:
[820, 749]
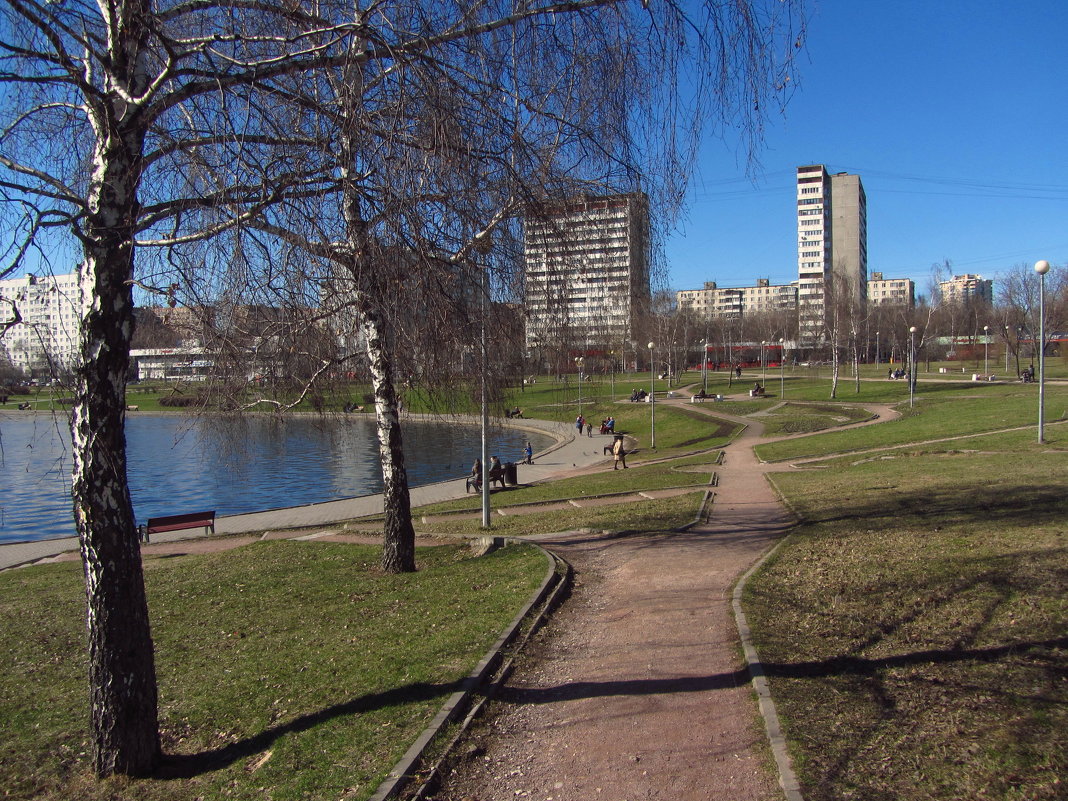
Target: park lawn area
[796, 418]
[942, 414]
[913, 627]
[286, 670]
[659, 475]
[626, 516]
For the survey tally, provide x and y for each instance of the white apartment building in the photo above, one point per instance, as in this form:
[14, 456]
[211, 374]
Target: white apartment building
[587, 271]
[714, 301]
[832, 244]
[891, 291]
[965, 288]
[46, 339]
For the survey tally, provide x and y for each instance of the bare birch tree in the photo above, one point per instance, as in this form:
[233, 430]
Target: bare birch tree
[115, 127]
[129, 125]
[445, 124]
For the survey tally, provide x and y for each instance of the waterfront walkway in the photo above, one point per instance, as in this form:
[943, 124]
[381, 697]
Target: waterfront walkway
[568, 454]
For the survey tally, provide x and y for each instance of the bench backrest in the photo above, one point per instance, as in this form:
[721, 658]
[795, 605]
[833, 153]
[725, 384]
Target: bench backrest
[179, 522]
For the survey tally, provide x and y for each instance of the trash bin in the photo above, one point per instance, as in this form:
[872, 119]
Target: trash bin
[511, 474]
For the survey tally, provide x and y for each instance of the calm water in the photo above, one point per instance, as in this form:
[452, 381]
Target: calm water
[233, 466]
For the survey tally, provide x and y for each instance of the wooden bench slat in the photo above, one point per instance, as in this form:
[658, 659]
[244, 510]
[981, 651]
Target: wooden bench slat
[179, 522]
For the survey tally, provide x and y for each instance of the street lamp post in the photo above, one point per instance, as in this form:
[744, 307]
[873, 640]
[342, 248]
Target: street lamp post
[1041, 267]
[704, 367]
[877, 348]
[763, 363]
[1006, 350]
[912, 366]
[652, 398]
[986, 350]
[782, 360]
[578, 368]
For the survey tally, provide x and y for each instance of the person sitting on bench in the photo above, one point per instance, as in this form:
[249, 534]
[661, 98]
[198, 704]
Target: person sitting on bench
[496, 471]
[474, 480]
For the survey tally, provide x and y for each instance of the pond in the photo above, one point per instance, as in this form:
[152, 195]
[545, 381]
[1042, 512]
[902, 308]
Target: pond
[233, 465]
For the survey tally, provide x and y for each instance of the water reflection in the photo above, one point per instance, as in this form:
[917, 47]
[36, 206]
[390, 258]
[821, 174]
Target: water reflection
[232, 465]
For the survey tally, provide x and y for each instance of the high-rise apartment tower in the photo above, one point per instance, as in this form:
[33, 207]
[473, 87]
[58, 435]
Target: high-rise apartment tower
[832, 247]
[587, 272]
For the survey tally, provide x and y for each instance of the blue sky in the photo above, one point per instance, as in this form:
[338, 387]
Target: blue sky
[954, 114]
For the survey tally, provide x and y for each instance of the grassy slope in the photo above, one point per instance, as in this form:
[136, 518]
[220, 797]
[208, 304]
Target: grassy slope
[300, 654]
[914, 625]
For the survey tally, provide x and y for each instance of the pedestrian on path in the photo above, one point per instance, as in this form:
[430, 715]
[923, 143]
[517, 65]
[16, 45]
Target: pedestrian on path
[580, 421]
[619, 452]
[528, 451]
[589, 429]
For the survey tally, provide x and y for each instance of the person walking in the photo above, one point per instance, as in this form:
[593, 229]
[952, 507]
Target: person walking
[528, 451]
[579, 423]
[619, 453]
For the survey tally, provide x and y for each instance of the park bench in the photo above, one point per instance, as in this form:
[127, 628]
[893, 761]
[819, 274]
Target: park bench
[157, 525]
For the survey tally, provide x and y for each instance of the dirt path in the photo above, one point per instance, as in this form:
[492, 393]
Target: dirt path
[637, 690]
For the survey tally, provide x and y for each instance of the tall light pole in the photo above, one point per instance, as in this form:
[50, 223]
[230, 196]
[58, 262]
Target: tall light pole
[1006, 351]
[986, 350]
[763, 363]
[912, 366]
[578, 369]
[876, 348]
[1041, 267]
[612, 358]
[704, 367]
[652, 398]
[782, 361]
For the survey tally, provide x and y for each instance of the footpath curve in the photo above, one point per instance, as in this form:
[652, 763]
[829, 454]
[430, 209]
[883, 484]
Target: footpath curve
[636, 691]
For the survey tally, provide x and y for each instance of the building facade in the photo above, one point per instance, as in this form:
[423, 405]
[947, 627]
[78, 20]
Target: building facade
[891, 291]
[967, 289]
[45, 341]
[586, 272]
[832, 246]
[736, 302]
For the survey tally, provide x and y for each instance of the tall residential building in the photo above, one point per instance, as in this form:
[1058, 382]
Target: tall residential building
[891, 291]
[832, 246]
[46, 340]
[967, 288]
[713, 301]
[587, 271]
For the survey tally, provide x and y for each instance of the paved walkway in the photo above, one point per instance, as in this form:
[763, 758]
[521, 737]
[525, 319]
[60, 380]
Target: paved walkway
[637, 691]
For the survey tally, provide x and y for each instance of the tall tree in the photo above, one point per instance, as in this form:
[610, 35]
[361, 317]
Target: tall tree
[115, 128]
[445, 124]
[134, 126]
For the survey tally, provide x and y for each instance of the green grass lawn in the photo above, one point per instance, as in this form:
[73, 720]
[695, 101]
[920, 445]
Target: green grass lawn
[941, 410]
[287, 670]
[913, 627]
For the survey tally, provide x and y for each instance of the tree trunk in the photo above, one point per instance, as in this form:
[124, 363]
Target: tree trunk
[398, 552]
[122, 676]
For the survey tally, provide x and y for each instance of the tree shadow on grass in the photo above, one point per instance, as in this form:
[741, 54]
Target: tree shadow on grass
[1018, 505]
[834, 666]
[186, 766]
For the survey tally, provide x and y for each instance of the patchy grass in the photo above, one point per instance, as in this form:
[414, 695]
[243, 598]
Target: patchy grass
[647, 515]
[950, 414]
[796, 418]
[286, 669]
[914, 627]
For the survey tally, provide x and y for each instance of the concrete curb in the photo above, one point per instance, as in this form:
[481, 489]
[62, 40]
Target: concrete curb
[787, 778]
[404, 772]
[705, 509]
